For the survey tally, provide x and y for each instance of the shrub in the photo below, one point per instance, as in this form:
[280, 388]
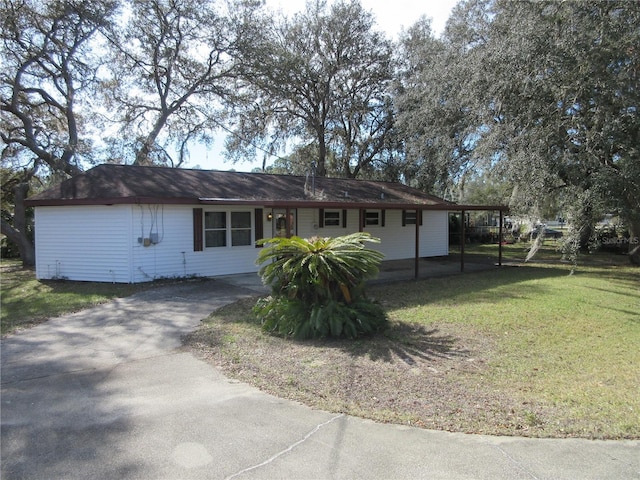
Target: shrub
[317, 286]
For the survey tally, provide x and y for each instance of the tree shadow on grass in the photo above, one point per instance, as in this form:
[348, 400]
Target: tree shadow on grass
[408, 343]
[461, 288]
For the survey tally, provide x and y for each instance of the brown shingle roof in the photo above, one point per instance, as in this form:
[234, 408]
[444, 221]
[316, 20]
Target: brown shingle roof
[118, 184]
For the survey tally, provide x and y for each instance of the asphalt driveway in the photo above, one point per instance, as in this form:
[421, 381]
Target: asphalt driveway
[109, 393]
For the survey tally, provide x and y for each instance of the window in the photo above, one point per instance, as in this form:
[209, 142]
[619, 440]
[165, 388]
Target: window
[222, 227]
[372, 217]
[409, 217]
[331, 218]
[215, 229]
[240, 228]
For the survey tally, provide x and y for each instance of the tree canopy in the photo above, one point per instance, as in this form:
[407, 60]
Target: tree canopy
[172, 66]
[47, 68]
[321, 78]
[543, 93]
[536, 98]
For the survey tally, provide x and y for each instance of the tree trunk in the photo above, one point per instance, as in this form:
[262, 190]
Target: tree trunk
[17, 232]
[585, 235]
[321, 167]
[634, 241]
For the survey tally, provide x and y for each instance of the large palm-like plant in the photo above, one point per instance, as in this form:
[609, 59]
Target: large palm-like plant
[317, 286]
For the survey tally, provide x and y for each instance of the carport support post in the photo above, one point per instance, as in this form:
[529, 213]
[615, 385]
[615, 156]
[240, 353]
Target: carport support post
[416, 266]
[462, 241]
[500, 241]
[287, 222]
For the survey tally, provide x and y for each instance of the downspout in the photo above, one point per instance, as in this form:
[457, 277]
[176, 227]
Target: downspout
[130, 248]
[287, 222]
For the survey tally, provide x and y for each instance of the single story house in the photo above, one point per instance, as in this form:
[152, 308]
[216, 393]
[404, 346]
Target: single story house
[129, 224]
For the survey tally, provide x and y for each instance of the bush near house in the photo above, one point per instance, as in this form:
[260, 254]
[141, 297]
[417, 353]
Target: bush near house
[317, 287]
[610, 238]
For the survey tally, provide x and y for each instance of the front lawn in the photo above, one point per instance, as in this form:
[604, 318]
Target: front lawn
[524, 350]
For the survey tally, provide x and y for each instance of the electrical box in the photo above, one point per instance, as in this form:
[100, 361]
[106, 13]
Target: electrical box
[153, 238]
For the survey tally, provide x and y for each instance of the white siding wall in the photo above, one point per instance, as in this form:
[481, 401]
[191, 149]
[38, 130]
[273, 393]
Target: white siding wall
[83, 243]
[396, 242]
[101, 243]
[434, 234]
[173, 255]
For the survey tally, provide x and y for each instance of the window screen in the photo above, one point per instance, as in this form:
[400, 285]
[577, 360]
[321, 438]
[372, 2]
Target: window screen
[240, 228]
[215, 229]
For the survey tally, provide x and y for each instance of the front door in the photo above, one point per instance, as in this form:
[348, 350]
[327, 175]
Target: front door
[280, 222]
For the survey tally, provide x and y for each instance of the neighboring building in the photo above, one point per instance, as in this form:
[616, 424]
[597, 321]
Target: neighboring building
[129, 224]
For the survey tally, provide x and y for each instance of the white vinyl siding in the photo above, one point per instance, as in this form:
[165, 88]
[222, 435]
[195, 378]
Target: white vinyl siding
[174, 255]
[397, 242]
[138, 243]
[434, 234]
[87, 243]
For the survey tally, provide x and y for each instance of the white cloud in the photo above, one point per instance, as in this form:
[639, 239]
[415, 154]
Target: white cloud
[391, 15]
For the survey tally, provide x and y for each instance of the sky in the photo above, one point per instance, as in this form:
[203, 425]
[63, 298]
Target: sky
[392, 16]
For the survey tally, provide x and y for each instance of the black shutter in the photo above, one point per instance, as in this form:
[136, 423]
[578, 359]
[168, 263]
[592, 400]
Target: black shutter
[404, 218]
[382, 219]
[197, 230]
[258, 225]
[344, 219]
[321, 218]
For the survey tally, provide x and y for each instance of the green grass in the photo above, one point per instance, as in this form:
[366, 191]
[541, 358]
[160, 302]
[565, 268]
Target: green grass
[542, 349]
[26, 301]
[568, 340]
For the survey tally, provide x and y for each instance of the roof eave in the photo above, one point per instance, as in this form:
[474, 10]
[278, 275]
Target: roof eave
[457, 208]
[451, 207]
[60, 202]
[262, 202]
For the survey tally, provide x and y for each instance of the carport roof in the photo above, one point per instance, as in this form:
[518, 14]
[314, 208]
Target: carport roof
[110, 184]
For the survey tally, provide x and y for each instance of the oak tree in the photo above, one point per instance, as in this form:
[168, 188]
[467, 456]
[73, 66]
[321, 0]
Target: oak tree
[48, 68]
[319, 79]
[172, 67]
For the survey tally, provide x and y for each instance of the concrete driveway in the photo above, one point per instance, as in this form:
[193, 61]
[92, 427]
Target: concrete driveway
[108, 393]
